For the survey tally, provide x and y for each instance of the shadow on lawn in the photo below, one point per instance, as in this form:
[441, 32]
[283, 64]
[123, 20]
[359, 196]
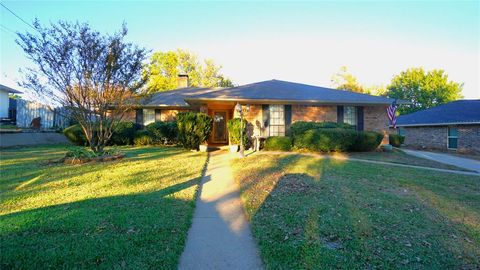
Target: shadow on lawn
[331, 216]
[32, 170]
[138, 231]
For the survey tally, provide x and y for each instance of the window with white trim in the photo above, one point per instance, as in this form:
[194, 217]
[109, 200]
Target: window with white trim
[350, 115]
[277, 120]
[148, 116]
[452, 138]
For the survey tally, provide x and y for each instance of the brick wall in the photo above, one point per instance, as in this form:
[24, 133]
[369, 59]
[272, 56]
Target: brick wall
[426, 137]
[469, 138]
[314, 113]
[129, 116]
[435, 138]
[375, 119]
[169, 115]
[255, 119]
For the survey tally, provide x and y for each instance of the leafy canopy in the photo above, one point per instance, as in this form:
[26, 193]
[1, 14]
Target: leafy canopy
[164, 67]
[424, 89]
[94, 76]
[344, 80]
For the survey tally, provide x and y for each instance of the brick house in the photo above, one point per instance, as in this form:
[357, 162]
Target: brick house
[453, 126]
[272, 107]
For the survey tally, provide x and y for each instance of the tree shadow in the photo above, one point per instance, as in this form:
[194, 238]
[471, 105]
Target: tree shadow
[31, 176]
[324, 214]
[143, 230]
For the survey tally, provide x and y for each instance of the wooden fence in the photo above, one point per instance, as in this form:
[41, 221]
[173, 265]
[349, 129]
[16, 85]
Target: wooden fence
[26, 111]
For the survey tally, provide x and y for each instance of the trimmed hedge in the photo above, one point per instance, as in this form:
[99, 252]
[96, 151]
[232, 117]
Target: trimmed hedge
[123, 134]
[234, 127]
[301, 127]
[75, 135]
[326, 139]
[143, 137]
[163, 132]
[278, 144]
[367, 141]
[193, 129]
[396, 140]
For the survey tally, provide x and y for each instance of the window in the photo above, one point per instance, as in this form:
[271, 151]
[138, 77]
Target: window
[452, 138]
[350, 115]
[148, 116]
[277, 120]
[401, 131]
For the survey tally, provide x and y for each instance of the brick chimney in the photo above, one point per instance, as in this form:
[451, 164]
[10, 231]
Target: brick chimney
[182, 81]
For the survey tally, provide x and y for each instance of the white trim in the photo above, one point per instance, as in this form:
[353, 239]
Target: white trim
[438, 124]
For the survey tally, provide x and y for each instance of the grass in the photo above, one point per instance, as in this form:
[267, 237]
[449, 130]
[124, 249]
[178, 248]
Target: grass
[133, 213]
[313, 213]
[9, 128]
[398, 156]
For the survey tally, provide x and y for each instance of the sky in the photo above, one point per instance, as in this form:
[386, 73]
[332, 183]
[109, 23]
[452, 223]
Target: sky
[304, 42]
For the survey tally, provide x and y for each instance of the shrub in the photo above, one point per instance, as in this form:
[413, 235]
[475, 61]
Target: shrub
[75, 135]
[123, 134]
[278, 143]
[396, 140]
[163, 132]
[85, 153]
[367, 141]
[234, 127]
[326, 139]
[79, 153]
[193, 129]
[143, 137]
[301, 127]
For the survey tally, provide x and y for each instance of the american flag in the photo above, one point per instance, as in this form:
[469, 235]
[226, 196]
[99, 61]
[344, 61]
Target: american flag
[391, 110]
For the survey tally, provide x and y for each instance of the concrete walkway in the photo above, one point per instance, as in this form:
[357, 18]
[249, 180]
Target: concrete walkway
[220, 236]
[466, 163]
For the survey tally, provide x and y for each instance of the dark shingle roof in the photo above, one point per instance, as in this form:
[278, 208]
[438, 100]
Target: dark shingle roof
[276, 90]
[456, 112]
[175, 98]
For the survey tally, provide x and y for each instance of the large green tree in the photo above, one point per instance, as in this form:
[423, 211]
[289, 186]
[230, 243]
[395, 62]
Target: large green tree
[164, 67]
[424, 89]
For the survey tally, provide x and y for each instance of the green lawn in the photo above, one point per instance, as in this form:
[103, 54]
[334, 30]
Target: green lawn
[133, 213]
[312, 213]
[397, 156]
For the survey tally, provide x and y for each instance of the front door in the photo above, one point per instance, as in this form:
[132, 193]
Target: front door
[219, 127]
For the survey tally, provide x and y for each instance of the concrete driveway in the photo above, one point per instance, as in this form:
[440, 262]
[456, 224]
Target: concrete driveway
[466, 163]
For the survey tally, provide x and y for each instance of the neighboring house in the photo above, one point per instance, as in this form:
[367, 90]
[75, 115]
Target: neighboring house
[453, 126]
[4, 100]
[273, 106]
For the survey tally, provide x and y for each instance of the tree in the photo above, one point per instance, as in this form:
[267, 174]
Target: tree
[423, 89]
[344, 80]
[95, 76]
[164, 67]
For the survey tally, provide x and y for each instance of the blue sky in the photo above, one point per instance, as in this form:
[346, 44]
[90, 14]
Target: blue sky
[298, 41]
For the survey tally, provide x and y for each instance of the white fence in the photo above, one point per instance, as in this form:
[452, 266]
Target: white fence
[28, 110]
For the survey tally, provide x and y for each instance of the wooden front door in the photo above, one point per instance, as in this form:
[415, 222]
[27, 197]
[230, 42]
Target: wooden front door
[219, 127]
